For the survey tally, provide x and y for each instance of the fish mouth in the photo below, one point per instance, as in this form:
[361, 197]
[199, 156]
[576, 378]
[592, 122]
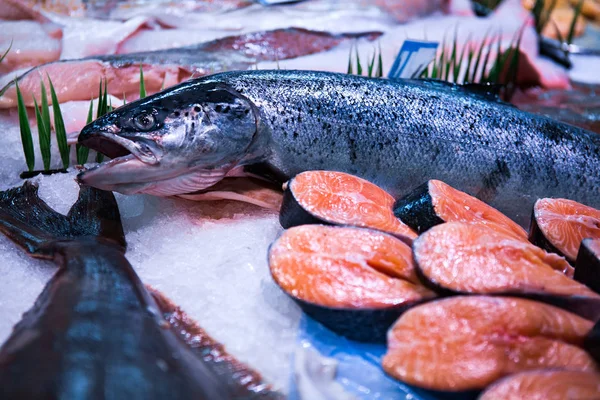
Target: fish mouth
[133, 163]
[116, 147]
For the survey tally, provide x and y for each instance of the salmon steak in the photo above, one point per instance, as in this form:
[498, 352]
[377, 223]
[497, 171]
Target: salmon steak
[337, 198]
[436, 202]
[464, 258]
[466, 343]
[559, 225]
[546, 385]
[355, 281]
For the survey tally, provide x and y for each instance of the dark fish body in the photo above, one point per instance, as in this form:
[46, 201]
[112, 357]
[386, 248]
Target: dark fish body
[95, 332]
[399, 134]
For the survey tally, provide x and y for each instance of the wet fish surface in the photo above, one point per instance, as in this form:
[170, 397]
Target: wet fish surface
[95, 332]
[394, 133]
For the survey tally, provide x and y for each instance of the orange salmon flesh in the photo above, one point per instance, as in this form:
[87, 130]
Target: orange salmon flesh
[345, 199]
[468, 342]
[565, 223]
[452, 205]
[476, 259]
[345, 267]
[546, 385]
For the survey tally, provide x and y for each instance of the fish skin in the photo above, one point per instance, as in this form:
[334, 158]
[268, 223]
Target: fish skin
[396, 134]
[95, 332]
[92, 333]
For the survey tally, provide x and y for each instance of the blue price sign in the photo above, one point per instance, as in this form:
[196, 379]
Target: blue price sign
[413, 58]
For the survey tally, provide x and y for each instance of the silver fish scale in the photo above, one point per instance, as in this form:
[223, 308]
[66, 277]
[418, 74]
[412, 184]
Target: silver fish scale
[399, 134]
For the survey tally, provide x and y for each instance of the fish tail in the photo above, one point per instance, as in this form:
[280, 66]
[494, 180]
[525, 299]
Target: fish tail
[29, 222]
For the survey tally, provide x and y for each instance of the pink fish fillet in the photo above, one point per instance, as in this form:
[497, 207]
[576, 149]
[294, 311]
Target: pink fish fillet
[117, 10]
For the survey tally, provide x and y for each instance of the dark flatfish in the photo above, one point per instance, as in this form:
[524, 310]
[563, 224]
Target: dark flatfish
[95, 332]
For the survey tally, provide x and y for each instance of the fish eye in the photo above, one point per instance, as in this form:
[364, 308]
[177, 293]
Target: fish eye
[144, 122]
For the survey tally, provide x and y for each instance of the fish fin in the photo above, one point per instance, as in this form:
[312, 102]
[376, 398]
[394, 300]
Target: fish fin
[96, 214]
[480, 10]
[266, 172]
[244, 380]
[29, 222]
[246, 190]
[194, 181]
[553, 50]
[268, 203]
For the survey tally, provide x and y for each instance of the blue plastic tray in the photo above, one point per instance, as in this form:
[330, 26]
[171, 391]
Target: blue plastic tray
[359, 370]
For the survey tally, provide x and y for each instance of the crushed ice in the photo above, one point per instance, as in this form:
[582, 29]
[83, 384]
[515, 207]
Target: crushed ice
[209, 258]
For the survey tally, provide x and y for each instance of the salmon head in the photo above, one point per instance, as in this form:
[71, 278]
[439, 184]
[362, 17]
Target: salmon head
[181, 140]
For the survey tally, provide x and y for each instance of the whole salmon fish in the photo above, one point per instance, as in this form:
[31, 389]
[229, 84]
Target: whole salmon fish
[95, 332]
[395, 133]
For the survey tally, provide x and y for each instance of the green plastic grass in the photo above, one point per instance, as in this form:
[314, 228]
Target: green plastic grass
[142, 84]
[43, 123]
[6, 52]
[474, 63]
[26, 137]
[571, 33]
[59, 127]
[541, 14]
[43, 136]
[374, 65]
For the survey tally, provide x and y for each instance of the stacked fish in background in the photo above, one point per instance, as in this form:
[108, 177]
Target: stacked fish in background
[159, 28]
[84, 44]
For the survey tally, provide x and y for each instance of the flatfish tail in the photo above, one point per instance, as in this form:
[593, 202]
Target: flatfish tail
[41, 231]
